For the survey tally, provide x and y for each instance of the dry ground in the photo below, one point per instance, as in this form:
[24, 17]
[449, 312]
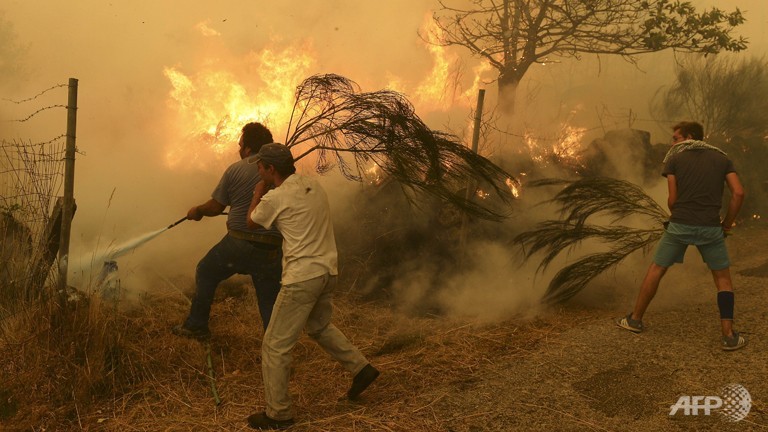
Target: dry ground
[570, 369]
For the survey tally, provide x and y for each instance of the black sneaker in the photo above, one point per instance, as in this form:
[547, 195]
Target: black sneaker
[362, 380]
[263, 422]
[200, 333]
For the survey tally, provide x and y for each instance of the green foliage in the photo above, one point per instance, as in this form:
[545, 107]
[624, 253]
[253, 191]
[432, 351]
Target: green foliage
[578, 201]
[678, 25]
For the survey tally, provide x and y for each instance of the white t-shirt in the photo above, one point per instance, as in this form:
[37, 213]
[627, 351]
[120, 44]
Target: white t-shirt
[299, 209]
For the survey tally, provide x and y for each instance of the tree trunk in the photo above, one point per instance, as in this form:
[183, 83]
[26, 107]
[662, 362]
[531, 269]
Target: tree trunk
[508, 82]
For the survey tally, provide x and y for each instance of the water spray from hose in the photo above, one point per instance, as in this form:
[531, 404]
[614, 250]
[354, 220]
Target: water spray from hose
[111, 253]
[130, 245]
[138, 241]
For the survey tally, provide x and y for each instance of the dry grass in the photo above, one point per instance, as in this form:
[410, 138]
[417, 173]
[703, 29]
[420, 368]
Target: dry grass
[157, 381]
[560, 371]
[125, 371]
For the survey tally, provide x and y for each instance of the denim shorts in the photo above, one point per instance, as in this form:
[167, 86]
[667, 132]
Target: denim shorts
[677, 237]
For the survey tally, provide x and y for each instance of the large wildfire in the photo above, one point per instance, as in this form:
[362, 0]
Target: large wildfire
[215, 103]
[212, 104]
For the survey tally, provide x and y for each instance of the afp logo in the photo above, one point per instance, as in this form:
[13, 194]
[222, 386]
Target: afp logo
[734, 404]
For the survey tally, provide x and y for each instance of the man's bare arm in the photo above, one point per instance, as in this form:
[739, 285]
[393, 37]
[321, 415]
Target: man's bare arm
[209, 208]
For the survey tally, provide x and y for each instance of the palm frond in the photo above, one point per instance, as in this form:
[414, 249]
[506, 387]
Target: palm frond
[570, 280]
[579, 200]
[555, 237]
[617, 198]
[382, 128]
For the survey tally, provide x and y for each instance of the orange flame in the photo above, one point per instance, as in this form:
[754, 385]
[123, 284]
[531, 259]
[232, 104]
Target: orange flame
[480, 72]
[566, 145]
[214, 104]
[537, 153]
[514, 186]
[374, 175]
[434, 88]
[439, 88]
[482, 194]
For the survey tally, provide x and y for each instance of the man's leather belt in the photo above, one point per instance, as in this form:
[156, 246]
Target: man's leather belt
[257, 238]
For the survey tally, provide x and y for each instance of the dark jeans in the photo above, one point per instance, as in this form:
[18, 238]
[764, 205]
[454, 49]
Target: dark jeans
[234, 256]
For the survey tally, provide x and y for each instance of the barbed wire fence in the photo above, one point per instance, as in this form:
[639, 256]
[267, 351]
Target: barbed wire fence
[35, 215]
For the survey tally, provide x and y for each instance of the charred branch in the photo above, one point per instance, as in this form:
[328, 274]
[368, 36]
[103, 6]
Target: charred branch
[352, 130]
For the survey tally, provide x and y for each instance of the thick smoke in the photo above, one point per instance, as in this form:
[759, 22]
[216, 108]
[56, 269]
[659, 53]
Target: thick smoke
[127, 119]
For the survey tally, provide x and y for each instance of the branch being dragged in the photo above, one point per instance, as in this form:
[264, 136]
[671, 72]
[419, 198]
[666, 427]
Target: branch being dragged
[354, 130]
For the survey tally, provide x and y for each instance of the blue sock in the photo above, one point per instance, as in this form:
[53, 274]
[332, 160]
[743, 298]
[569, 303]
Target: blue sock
[725, 304]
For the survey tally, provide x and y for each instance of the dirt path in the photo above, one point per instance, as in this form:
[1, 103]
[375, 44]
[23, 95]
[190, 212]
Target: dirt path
[595, 376]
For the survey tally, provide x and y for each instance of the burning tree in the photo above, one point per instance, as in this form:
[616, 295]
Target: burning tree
[378, 132]
[512, 35]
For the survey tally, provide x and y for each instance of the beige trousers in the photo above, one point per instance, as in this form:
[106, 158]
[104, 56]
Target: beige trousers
[304, 304]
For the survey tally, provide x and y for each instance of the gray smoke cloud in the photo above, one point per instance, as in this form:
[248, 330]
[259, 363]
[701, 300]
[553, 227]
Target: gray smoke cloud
[128, 119]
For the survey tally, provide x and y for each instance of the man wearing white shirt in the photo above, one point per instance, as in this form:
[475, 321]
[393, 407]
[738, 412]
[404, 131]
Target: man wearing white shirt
[298, 207]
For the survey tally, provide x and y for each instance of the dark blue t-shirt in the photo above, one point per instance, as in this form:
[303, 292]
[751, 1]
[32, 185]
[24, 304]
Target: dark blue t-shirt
[700, 176]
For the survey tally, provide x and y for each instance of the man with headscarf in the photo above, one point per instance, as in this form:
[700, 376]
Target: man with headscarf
[696, 173]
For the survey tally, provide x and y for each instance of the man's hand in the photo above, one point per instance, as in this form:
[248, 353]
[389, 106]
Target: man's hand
[734, 204]
[260, 189]
[194, 214]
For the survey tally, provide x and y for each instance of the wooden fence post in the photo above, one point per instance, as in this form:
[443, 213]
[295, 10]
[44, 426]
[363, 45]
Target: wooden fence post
[471, 182]
[67, 210]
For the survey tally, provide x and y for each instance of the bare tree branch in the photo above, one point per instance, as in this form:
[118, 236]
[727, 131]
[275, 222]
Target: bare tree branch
[515, 34]
[727, 95]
